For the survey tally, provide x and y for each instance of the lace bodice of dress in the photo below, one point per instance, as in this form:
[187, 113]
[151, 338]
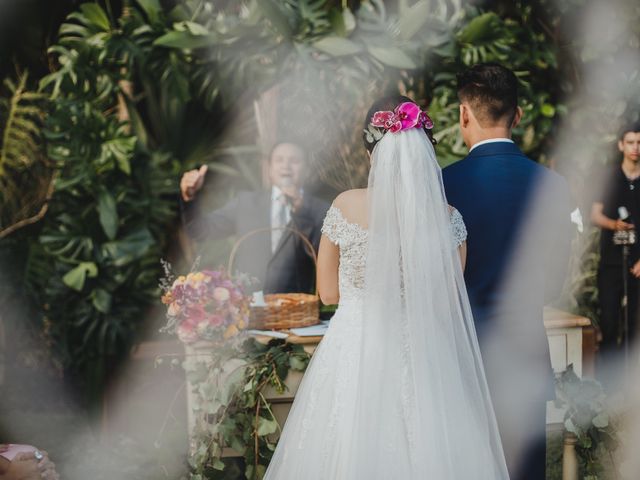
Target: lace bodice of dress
[352, 240]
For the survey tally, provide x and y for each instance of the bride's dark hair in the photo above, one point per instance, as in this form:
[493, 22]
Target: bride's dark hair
[386, 103]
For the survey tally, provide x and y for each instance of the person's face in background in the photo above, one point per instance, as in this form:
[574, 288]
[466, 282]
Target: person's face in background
[630, 146]
[287, 165]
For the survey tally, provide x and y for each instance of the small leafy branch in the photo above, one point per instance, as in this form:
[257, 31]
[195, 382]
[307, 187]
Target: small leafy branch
[588, 418]
[231, 407]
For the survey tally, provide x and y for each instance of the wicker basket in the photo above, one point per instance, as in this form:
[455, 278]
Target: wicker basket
[283, 310]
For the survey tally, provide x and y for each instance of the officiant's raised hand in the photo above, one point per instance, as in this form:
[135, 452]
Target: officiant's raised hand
[191, 182]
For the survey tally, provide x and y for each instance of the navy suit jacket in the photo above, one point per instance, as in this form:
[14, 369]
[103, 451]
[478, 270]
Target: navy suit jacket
[517, 215]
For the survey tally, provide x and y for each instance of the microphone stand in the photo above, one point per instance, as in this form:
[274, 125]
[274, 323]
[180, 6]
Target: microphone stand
[625, 305]
[625, 238]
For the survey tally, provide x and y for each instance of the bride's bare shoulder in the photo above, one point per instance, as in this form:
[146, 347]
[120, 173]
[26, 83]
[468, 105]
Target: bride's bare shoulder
[350, 198]
[353, 206]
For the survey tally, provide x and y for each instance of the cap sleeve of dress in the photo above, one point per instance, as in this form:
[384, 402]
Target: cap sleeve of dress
[458, 228]
[330, 226]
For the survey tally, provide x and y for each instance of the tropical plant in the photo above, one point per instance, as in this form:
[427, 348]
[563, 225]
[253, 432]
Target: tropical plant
[331, 62]
[95, 265]
[327, 61]
[25, 173]
[510, 38]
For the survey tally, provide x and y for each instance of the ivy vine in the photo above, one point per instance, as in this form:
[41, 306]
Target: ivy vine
[230, 406]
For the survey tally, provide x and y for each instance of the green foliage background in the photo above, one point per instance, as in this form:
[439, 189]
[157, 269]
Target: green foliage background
[137, 91]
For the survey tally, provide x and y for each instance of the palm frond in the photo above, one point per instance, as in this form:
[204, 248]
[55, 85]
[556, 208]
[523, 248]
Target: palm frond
[24, 174]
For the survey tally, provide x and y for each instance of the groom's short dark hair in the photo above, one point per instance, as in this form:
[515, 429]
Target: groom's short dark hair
[491, 90]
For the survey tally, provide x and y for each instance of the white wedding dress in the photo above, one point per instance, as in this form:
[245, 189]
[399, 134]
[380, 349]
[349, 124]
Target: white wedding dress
[315, 440]
[361, 412]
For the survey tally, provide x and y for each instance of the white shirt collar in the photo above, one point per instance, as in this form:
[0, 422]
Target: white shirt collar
[491, 140]
[276, 193]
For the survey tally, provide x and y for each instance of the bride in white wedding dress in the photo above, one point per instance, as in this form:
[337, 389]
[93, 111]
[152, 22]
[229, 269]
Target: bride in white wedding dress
[396, 389]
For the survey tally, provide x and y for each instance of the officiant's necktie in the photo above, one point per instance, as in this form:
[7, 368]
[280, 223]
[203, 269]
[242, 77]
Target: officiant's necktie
[278, 221]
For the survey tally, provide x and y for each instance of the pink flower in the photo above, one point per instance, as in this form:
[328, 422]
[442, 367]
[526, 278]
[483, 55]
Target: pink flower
[425, 121]
[177, 293]
[195, 314]
[187, 333]
[216, 320]
[189, 322]
[395, 127]
[380, 119]
[408, 113]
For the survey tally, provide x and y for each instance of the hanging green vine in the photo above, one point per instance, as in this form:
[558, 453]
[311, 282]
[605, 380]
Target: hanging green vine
[230, 405]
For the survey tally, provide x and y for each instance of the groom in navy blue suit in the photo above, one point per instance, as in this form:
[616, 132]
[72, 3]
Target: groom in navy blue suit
[517, 214]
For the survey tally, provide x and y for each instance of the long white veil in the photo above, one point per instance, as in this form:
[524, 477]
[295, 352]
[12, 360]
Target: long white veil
[424, 410]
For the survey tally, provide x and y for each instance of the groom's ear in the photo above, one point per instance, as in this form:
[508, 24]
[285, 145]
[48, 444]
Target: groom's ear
[517, 117]
[464, 115]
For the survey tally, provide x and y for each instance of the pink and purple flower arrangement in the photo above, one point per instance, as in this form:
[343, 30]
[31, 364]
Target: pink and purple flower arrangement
[205, 305]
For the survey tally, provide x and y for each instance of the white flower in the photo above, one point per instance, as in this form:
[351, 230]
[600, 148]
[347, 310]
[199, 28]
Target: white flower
[576, 217]
[221, 294]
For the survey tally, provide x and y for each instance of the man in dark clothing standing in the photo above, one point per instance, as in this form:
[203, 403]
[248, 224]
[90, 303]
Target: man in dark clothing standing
[618, 210]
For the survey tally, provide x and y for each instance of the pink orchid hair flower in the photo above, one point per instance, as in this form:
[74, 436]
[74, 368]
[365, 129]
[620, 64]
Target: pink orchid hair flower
[408, 113]
[382, 118]
[396, 126]
[405, 116]
[426, 121]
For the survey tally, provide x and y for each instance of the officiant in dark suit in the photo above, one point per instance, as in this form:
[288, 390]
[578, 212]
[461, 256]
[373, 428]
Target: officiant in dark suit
[277, 257]
[517, 214]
